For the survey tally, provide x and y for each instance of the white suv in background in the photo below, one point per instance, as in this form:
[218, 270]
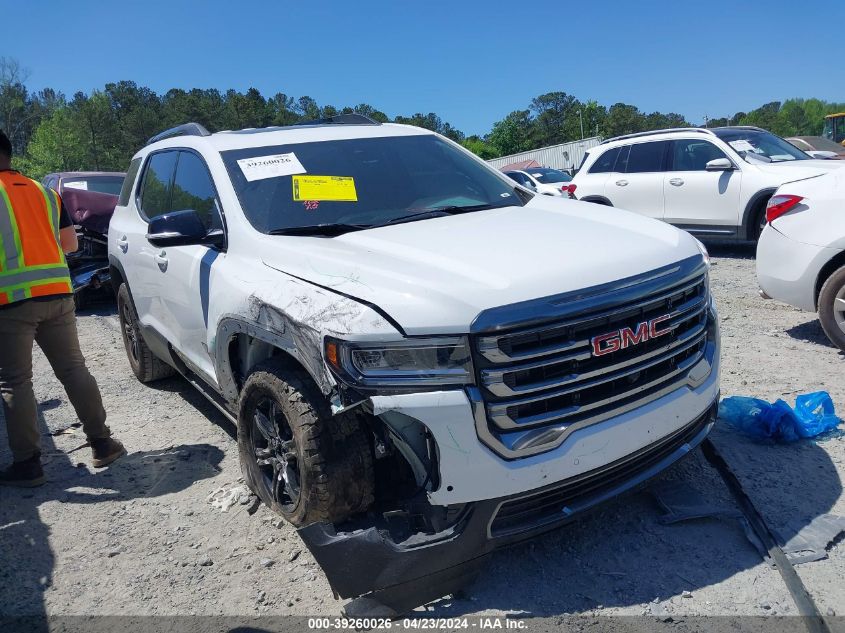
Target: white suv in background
[714, 183]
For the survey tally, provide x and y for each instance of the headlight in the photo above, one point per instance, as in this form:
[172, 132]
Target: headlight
[412, 363]
[703, 250]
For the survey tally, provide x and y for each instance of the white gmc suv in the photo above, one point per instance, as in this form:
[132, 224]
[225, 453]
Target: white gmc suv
[714, 183]
[424, 360]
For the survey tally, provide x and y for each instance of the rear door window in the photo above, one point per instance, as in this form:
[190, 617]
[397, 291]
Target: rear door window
[605, 162]
[158, 184]
[646, 157]
[129, 182]
[622, 160]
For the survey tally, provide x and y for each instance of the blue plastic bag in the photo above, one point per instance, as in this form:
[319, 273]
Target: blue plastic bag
[813, 415]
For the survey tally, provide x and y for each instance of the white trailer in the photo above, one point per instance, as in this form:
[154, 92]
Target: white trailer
[566, 156]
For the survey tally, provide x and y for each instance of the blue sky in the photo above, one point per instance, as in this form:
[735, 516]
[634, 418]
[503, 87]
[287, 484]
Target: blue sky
[470, 62]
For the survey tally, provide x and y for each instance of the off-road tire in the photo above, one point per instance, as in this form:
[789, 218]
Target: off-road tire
[833, 286]
[146, 366]
[333, 453]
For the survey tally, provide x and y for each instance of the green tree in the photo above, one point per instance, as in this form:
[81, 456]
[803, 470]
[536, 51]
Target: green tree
[56, 145]
[480, 147]
[17, 117]
[307, 108]
[201, 106]
[98, 130]
[593, 116]
[512, 134]
[368, 110]
[245, 110]
[282, 109]
[556, 118]
[432, 122]
[623, 119]
[136, 112]
[765, 117]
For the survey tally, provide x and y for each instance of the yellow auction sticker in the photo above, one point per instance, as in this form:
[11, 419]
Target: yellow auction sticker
[324, 188]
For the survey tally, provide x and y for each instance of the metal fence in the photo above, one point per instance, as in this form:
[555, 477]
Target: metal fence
[567, 156]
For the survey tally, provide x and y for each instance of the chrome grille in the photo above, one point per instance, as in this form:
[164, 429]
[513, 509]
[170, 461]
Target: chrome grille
[540, 381]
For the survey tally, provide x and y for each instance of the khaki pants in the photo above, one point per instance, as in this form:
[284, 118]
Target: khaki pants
[51, 324]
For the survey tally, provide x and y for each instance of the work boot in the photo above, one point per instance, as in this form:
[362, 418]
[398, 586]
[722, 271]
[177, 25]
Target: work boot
[26, 474]
[106, 450]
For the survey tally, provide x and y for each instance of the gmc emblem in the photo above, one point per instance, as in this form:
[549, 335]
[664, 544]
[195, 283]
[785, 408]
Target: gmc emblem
[626, 337]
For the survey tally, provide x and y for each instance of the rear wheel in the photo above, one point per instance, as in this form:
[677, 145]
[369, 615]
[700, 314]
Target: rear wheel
[301, 461]
[758, 221]
[145, 365]
[832, 308]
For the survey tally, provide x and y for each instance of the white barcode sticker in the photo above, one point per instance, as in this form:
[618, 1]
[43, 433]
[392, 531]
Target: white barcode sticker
[274, 166]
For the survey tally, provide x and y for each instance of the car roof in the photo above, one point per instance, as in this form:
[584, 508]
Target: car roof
[266, 137]
[689, 132]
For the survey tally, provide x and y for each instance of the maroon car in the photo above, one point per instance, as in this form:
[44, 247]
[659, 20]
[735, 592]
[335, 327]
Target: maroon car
[90, 198]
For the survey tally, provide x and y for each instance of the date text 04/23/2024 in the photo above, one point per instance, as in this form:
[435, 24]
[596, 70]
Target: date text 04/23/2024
[448, 624]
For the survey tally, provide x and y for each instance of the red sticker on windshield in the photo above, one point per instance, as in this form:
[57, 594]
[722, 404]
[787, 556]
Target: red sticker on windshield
[311, 205]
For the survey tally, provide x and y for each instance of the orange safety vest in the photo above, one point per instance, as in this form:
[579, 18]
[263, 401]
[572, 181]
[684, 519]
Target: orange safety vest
[32, 263]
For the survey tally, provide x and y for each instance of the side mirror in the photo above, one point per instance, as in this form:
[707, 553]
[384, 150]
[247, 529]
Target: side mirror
[719, 164]
[182, 228]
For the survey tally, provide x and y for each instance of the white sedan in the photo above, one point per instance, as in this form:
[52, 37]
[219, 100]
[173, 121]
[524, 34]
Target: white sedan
[801, 252]
[543, 180]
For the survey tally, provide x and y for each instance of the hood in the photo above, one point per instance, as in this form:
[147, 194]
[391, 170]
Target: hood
[435, 276]
[790, 171]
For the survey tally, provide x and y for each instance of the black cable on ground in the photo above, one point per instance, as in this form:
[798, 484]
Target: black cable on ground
[806, 606]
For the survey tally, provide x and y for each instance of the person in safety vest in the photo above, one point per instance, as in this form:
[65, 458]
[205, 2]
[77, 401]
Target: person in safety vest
[36, 304]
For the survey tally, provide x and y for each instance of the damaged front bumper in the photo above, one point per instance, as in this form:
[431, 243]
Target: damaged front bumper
[391, 577]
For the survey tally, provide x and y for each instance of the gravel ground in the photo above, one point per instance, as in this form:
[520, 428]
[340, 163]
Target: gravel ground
[142, 537]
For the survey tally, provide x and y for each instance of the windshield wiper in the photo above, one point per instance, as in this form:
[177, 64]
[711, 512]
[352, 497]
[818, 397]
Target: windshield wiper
[437, 212]
[330, 229]
[327, 229]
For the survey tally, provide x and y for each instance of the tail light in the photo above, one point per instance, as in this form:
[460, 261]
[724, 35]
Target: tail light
[570, 189]
[778, 205]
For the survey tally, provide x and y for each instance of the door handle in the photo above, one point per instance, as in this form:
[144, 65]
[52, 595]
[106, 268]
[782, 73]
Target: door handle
[677, 182]
[161, 260]
[123, 244]
[621, 183]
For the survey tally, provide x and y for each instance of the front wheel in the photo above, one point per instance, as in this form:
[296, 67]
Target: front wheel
[301, 461]
[832, 308]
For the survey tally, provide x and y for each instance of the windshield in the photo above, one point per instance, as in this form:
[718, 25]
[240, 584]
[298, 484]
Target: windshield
[549, 176]
[360, 183]
[100, 184]
[758, 144]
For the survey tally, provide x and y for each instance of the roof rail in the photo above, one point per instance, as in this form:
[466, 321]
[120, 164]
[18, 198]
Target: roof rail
[342, 119]
[188, 129]
[739, 127]
[673, 130]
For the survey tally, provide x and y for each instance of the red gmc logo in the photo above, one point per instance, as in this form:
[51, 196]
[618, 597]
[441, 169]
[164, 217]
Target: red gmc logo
[627, 337]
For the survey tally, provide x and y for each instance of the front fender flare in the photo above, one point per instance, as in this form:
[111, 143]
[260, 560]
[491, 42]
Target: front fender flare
[747, 219]
[301, 344]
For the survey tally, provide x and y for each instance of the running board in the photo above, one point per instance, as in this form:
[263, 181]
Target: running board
[204, 388]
